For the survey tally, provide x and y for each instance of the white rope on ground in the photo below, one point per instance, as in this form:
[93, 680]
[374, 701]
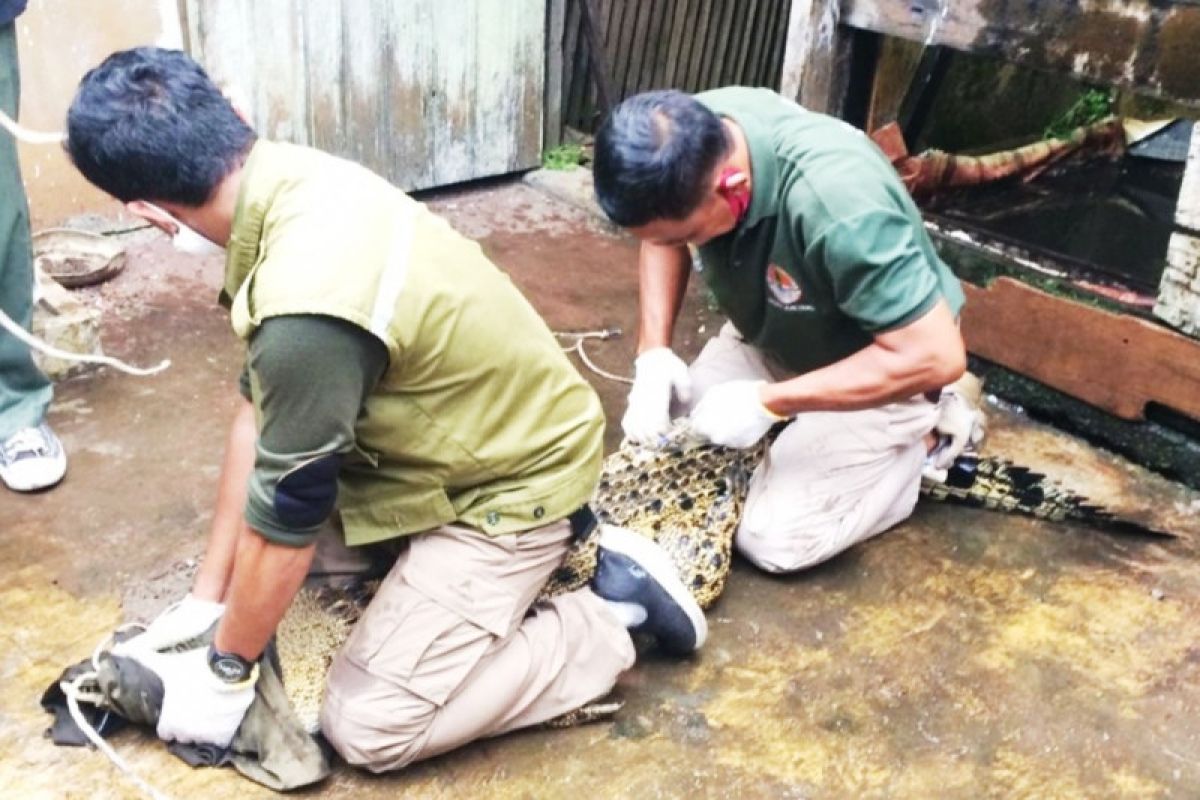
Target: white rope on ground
[75, 693]
[16, 330]
[577, 347]
[19, 131]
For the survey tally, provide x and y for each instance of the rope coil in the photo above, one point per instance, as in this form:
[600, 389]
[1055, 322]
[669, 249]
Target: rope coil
[582, 336]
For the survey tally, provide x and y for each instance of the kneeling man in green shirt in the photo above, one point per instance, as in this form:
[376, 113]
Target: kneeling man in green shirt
[842, 318]
[396, 380]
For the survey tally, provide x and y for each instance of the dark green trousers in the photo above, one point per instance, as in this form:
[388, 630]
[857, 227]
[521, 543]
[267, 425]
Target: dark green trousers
[24, 390]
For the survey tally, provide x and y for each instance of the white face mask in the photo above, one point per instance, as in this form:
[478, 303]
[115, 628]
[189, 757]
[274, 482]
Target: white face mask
[188, 241]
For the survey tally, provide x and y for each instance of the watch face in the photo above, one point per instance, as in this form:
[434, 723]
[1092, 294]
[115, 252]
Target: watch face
[229, 667]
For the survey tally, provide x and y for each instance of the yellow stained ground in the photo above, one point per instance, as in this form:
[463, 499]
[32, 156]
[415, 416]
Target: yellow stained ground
[964, 654]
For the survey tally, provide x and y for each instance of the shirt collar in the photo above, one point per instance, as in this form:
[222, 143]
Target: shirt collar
[255, 196]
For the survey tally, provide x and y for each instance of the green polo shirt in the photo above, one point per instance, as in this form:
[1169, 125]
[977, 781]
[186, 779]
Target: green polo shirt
[832, 250]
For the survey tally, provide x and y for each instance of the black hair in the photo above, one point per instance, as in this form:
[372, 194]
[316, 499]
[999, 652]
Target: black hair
[149, 124]
[654, 157]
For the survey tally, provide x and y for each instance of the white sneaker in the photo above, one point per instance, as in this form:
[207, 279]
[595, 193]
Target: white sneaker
[32, 459]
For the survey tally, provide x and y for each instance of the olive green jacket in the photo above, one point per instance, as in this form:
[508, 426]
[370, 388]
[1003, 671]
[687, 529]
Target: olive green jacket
[479, 417]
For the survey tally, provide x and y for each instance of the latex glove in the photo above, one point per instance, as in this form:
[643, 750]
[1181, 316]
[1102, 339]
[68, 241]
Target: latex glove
[197, 707]
[960, 425]
[732, 414]
[187, 619]
[658, 375]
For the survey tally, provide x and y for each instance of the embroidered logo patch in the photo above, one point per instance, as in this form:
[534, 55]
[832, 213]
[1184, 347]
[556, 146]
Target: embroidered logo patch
[783, 288]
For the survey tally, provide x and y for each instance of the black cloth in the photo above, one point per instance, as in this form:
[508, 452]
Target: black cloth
[11, 9]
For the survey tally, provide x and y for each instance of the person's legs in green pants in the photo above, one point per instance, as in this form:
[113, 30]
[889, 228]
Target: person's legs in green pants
[31, 457]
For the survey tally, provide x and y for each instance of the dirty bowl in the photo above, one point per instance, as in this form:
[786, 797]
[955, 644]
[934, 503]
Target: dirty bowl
[77, 258]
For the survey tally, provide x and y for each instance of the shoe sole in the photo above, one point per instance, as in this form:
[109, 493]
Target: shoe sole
[656, 562]
[28, 488]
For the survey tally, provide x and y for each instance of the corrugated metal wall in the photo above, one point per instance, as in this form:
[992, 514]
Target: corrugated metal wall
[425, 92]
[681, 44]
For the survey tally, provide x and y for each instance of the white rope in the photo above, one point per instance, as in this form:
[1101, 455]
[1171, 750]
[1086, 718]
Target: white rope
[16, 330]
[935, 25]
[608, 333]
[19, 131]
[74, 692]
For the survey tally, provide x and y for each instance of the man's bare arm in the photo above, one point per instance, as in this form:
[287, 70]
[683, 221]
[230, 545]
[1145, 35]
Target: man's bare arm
[266, 578]
[924, 355]
[213, 577]
[662, 280]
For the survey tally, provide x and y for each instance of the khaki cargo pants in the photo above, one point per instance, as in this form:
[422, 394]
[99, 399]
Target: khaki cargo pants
[832, 478]
[452, 648]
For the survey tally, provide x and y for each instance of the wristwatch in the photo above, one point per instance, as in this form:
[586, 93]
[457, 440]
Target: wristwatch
[229, 667]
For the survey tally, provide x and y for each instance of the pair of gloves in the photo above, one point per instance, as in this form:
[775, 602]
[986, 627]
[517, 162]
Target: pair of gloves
[197, 707]
[730, 414]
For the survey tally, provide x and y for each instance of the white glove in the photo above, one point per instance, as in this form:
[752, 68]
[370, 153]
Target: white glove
[732, 414]
[198, 707]
[187, 619]
[657, 375]
[960, 425]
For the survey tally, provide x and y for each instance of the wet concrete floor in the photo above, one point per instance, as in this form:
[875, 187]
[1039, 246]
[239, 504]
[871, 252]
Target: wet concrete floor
[963, 654]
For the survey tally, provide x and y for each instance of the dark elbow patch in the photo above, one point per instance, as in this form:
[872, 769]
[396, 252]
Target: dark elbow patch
[307, 494]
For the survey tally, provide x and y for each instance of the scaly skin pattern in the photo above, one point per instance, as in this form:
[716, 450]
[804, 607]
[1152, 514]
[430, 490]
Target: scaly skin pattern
[1000, 485]
[686, 497]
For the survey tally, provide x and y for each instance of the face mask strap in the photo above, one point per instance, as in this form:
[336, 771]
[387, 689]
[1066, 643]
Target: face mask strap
[735, 195]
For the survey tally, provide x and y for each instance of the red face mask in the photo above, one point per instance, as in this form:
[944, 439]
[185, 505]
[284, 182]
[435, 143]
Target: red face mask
[736, 195]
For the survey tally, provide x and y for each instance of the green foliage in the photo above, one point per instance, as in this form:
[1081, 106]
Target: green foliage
[1092, 106]
[565, 156]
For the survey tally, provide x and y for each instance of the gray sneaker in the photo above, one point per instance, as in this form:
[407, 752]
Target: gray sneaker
[32, 459]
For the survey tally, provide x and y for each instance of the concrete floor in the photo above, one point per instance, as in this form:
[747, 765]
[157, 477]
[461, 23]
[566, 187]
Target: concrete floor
[963, 654]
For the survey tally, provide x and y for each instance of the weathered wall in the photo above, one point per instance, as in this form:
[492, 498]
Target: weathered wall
[425, 92]
[59, 41]
[1179, 294]
[1147, 45]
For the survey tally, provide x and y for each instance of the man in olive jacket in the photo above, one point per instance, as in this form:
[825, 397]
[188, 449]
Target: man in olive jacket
[394, 376]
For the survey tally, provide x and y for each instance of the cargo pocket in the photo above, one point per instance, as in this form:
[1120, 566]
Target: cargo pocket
[420, 644]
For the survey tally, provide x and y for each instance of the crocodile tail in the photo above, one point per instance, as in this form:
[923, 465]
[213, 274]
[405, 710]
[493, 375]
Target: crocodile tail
[1000, 485]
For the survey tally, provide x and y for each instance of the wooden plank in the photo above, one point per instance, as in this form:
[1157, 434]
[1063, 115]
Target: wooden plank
[816, 62]
[678, 33]
[575, 54]
[1152, 46]
[597, 63]
[1115, 362]
[750, 11]
[779, 46]
[653, 76]
[764, 34]
[637, 48]
[325, 63]
[765, 46]
[1179, 293]
[556, 20]
[428, 94]
[720, 49]
[701, 43]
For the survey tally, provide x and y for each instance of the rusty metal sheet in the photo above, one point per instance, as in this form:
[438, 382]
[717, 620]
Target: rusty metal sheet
[426, 93]
[1152, 46]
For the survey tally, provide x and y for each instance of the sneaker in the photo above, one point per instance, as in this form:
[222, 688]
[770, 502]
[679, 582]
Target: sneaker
[634, 572]
[32, 459]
